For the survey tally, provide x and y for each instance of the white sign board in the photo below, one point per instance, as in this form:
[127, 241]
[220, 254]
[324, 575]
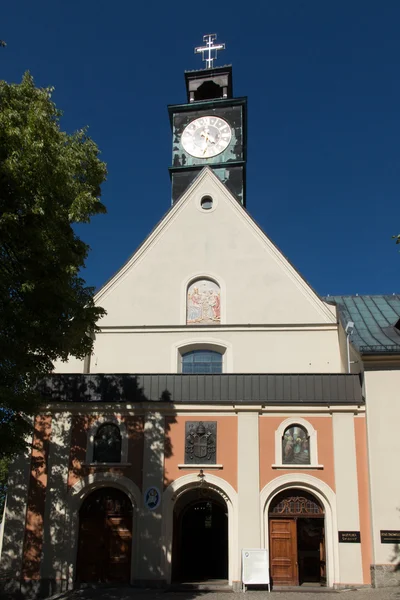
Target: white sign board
[255, 568]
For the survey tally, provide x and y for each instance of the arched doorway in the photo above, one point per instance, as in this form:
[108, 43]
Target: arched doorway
[105, 537]
[297, 539]
[200, 537]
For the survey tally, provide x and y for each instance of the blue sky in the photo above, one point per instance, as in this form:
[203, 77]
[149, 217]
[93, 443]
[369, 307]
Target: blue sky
[323, 86]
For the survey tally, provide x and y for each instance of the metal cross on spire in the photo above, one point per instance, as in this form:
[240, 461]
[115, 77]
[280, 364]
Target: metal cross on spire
[209, 48]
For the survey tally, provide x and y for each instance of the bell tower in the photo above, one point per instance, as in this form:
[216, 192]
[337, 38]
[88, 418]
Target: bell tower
[210, 129]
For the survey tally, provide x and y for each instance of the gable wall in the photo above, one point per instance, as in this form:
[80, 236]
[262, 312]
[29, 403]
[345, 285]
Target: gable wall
[257, 284]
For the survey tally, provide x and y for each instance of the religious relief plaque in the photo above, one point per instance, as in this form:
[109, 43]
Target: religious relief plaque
[390, 536]
[349, 537]
[201, 442]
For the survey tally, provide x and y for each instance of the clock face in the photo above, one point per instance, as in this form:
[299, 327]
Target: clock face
[206, 137]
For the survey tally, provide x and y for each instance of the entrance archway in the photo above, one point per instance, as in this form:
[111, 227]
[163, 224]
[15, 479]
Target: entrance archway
[297, 539]
[200, 537]
[105, 537]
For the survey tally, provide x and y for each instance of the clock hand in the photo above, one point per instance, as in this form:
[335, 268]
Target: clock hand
[206, 137]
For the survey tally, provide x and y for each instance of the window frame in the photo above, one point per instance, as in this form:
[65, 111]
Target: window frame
[186, 346]
[313, 442]
[103, 420]
[198, 350]
[117, 439]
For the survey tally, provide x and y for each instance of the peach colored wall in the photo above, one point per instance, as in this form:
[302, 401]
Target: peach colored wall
[226, 448]
[77, 458]
[323, 426]
[36, 499]
[80, 425]
[135, 428]
[363, 496]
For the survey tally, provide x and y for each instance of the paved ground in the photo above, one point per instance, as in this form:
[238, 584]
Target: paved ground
[134, 594]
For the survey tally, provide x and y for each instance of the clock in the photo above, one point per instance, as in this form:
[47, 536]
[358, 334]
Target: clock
[206, 136]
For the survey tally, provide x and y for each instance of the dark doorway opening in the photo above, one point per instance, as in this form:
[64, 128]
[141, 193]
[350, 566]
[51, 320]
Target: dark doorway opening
[297, 540]
[200, 539]
[105, 538]
[311, 551]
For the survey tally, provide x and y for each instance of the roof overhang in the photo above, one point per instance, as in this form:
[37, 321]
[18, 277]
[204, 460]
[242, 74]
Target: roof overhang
[239, 389]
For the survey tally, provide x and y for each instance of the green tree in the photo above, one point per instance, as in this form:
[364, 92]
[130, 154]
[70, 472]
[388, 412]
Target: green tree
[49, 180]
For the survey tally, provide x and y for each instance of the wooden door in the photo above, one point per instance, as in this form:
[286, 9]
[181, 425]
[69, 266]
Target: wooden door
[283, 552]
[92, 550]
[105, 537]
[120, 542]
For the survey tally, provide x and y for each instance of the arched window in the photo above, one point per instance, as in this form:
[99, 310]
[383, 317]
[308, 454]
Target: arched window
[295, 446]
[202, 361]
[203, 303]
[107, 444]
[295, 502]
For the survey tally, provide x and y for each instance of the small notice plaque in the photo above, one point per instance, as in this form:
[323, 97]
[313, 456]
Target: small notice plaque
[390, 536]
[255, 568]
[349, 537]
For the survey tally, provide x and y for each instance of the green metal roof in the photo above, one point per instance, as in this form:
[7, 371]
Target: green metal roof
[374, 319]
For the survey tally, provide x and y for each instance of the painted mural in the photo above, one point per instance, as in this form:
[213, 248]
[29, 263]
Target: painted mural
[295, 446]
[203, 303]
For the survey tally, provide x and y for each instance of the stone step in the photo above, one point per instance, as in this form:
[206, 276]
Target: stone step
[200, 586]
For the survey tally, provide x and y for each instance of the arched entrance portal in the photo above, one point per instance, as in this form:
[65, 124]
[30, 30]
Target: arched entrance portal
[200, 537]
[297, 539]
[105, 537]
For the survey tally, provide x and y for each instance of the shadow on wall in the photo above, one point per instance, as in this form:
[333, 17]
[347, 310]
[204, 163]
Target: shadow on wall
[395, 558]
[35, 558]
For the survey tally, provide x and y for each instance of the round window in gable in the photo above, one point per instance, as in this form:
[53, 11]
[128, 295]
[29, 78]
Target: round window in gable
[206, 202]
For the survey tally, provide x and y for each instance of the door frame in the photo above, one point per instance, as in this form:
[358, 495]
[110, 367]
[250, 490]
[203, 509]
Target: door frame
[75, 497]
[294, 520]
[326, 496]
[178, 529]
[227, 493]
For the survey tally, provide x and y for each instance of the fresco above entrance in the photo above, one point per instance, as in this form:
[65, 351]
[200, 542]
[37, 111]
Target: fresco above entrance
[203, 303]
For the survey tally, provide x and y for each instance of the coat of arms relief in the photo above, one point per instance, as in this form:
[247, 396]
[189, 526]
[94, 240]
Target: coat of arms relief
[200, 442]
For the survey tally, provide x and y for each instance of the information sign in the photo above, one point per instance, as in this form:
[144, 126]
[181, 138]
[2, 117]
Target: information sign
[255, 568]
[349, 537]
[390, 536]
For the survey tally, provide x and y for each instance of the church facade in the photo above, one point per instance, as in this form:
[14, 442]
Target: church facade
[226, 406]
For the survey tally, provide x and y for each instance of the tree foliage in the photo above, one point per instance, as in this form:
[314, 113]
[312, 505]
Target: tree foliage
[49, 180]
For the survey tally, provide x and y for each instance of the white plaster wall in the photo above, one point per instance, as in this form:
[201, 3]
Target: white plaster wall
[258, 284]
[53, 552]
[355, 359]
[73, 365]
[150, 521]
[383, 426]
[246, 351]
[348, 518]
[248, 480]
